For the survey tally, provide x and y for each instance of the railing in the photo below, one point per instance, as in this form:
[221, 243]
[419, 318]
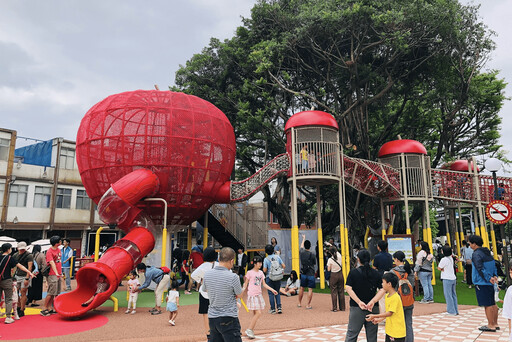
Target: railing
[245, 222]
[244, 189]
[316, 158]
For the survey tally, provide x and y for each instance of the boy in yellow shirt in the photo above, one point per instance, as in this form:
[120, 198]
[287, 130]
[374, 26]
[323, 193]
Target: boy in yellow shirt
[394, 315]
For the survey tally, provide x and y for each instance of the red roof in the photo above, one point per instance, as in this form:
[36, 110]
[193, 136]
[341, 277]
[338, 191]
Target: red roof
[311, 118]
[459, 165]
[402, 146]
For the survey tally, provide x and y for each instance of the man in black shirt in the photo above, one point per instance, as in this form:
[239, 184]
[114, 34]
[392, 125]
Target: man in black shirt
[383, 261]
[7, 263]
[307, 271]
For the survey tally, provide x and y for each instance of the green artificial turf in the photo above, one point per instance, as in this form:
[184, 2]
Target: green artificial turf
[146, 299]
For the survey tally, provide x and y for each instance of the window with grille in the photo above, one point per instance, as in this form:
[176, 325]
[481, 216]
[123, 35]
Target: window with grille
[63, 198]
[67, 158]
[82, 200]
[42, 197]
[18, 195]
[4, 148]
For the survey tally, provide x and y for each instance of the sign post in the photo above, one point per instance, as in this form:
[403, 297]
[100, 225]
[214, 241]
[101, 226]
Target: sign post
[500, 212]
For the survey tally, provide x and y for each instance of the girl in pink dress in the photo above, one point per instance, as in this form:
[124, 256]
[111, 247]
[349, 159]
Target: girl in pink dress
[254, 280]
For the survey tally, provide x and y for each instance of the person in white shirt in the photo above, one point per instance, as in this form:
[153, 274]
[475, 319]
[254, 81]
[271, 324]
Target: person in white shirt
[447, 268]
[292, 285]
[507, 306]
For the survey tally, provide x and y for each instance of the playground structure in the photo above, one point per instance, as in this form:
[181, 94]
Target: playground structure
[180, 150]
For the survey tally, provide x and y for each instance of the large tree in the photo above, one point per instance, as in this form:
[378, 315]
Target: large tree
[381, 68]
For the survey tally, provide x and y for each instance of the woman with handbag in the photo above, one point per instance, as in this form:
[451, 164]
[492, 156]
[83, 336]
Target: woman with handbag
[423, 270]
[336, 282]
[7, 263]
[35, 292]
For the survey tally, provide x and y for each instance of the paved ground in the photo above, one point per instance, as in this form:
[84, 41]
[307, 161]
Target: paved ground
[434, 327]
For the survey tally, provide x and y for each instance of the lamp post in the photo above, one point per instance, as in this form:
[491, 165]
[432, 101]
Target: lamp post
[493, 165]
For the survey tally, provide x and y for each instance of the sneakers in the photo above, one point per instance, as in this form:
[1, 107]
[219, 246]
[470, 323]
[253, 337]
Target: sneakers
[16, 317]
[271, 311]
[9, 320]
[171, 322]
[288, 294]
[423, 301]
[187, 292]
[127, 311]
[279, 311]
[156, 312]
[134, 312]
[430, 301]
[45, 313]
[250, 333]
[152, 310]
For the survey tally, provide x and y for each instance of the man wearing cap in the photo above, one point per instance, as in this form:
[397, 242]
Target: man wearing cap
[23, 281]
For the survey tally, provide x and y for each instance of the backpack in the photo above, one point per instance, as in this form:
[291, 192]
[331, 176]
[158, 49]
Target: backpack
[405, 289]
[276, 270]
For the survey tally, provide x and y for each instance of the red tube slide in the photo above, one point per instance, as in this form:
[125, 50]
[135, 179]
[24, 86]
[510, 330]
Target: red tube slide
[124, 255]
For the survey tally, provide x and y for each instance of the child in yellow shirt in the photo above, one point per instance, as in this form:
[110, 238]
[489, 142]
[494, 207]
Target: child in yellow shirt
[394, 315]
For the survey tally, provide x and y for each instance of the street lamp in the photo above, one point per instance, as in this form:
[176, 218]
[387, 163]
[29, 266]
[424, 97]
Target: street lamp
[494, 165]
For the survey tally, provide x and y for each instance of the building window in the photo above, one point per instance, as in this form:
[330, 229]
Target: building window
[4, 148]
[82, 200]
[63, 198]
[18, 195]
[42, 197]
[67, 158]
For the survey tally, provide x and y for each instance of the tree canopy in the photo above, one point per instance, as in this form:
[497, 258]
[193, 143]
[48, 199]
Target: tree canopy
[412, 68]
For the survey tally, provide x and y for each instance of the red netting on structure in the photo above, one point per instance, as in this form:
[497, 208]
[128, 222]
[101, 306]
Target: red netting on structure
[459, 187]
[186, 141]
[371, 178]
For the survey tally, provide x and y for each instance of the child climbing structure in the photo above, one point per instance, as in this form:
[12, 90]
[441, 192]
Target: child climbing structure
[181, 149]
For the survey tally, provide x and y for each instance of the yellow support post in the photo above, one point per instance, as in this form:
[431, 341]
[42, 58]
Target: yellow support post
[390, 230]
[347, 249]
[96, 257]
[425, 238]
[477, 230]
[164, 246]
[189, 238]
[383, 232]
[205, 237]
[321, 257]
[343, 251]
[494, 249]
[459, 265]
[429, 237]
[295, 249]
[448, 237]
[485, 238]
[366, 234]
[407, 231]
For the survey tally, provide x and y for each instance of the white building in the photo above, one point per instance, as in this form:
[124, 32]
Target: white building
[42, 195]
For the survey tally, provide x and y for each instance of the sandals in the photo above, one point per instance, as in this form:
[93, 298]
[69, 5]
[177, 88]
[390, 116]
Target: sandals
[486, 328]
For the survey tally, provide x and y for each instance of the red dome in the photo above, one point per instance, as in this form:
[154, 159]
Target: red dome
[402, 146]
[459, 165]
[186, 141]
[311, 118]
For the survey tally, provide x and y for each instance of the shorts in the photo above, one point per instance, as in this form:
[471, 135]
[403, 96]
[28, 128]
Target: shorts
[307, 281]
[20, 282]
[171, 307]
[394, 339]
[54, 285]
[203, 305]
[485, 295]
[255, 302]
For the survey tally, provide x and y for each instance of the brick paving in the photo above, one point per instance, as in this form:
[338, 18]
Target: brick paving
[434, 327]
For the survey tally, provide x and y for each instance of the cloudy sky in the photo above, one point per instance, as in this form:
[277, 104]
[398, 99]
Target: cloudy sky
[58, 58]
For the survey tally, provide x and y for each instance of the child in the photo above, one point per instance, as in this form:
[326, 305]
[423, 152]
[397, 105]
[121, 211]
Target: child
[292, 285]
[394, 315]
[15, 300]
[507, 306]
[446, 266]
[173, 302]
[101, 286]
[254, 279]
[132, 289]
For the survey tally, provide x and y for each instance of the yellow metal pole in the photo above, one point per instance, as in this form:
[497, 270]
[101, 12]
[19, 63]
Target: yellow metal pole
[96, 257]
[205, 237]
[383, 232]
[494, 249]
[366, 237]
[390, 230]
[347, 249]
[448, 237]
[429, 234]
[343, 251]
[295, 249]
[164, 246]
[477, 230]
[458, 252]
[321, 259]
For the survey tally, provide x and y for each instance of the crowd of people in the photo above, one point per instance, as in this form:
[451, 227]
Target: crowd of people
[379, 289]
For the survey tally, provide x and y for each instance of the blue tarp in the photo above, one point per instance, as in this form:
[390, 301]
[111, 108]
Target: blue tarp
[37, 154]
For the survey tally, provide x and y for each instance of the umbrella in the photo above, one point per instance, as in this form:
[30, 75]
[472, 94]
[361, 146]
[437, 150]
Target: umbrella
[4, 239]
[44, 243]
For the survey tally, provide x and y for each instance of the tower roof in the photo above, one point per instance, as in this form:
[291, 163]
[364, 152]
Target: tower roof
[402, 146]
[311, 118]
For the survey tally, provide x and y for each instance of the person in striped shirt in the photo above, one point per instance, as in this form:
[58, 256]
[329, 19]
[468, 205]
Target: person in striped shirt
[224, 288]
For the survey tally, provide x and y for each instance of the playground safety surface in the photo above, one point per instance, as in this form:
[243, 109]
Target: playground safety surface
[295, 324]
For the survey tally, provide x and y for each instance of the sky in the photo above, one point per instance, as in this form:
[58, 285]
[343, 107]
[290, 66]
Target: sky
[59, 58]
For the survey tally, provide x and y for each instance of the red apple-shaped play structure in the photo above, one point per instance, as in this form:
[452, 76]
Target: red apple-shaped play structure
[141, 144]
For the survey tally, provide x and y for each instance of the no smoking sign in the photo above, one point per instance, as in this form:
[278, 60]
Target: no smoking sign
[498, 212]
